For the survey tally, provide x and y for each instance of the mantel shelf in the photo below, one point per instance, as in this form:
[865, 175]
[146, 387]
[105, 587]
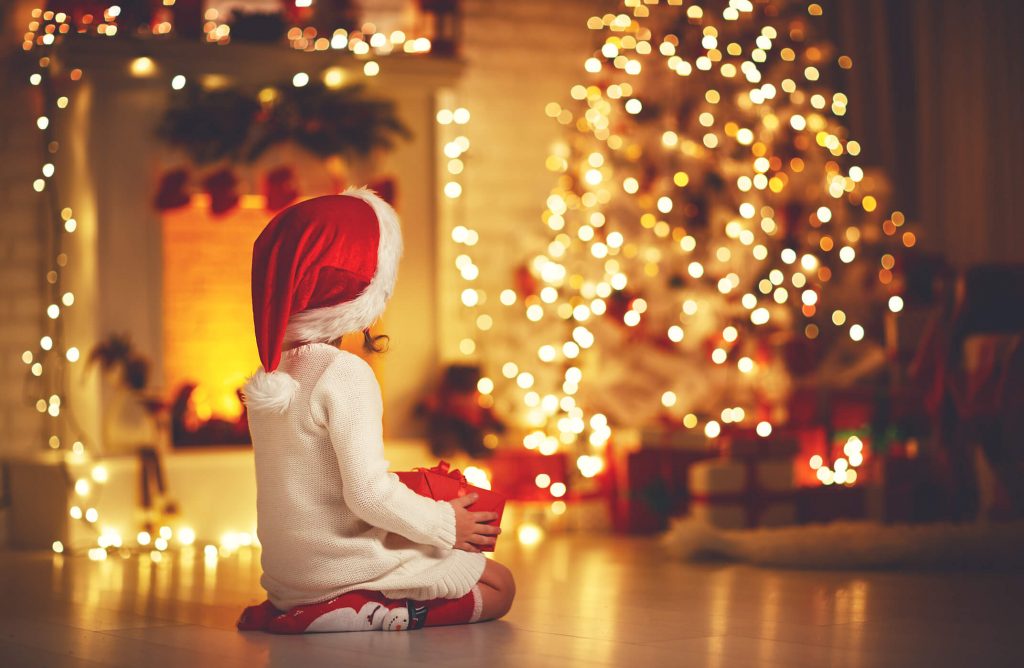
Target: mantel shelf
[107, 62]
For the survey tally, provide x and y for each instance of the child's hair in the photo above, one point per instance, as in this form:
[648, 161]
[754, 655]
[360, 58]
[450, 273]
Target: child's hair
[375, 344]
[371, 343]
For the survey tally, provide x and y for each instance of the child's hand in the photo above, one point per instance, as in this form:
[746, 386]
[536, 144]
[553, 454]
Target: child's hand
[470, 531]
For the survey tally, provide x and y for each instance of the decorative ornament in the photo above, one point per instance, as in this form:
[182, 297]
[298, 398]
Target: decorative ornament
[458, 419]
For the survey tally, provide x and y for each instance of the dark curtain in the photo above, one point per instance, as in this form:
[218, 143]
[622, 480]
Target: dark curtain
[937, 98]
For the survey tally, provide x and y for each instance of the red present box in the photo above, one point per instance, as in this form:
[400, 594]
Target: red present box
[515, 471]
[649, 486]
[443, 483]
[745, 442]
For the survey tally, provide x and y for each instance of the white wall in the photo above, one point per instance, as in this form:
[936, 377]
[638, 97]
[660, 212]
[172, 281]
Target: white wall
[21, 270]
[519, 56]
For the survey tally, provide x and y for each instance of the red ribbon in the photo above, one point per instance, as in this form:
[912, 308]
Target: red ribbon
[445, 469]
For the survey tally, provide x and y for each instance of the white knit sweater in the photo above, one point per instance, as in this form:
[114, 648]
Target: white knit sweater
[330, 517]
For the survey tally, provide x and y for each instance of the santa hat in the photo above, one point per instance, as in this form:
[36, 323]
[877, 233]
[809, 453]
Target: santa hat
[320, 269]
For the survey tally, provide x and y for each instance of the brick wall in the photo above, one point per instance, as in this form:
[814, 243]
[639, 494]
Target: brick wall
[21, 251]
[207, 314]
[519, 57]
[207, 317]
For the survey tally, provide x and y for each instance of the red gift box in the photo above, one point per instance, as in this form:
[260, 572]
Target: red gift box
[515, 471]
[649, 486]
[443, 483]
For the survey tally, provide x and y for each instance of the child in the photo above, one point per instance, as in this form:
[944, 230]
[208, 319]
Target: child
[346, 546]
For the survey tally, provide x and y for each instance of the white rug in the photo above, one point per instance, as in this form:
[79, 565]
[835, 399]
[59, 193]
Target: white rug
[854, 545]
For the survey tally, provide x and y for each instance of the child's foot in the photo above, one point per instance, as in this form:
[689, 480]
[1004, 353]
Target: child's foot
[257, 617]
[353, 611]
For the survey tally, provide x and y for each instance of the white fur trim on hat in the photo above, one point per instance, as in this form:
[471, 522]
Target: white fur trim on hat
[330, 322]
[270, 391]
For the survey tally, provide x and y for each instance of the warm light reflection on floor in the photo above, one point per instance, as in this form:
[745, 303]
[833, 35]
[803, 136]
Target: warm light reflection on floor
[583, 599]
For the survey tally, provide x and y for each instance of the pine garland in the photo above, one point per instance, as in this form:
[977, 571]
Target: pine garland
[235, 125]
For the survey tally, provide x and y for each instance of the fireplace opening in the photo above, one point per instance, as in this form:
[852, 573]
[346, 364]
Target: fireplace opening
[209, 349]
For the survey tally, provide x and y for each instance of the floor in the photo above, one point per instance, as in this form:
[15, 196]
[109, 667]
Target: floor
[583, 601]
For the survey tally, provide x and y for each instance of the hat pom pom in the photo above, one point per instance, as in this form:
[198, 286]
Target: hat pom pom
[270, 391]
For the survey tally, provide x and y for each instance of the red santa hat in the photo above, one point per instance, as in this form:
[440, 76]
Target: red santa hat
[320, 269]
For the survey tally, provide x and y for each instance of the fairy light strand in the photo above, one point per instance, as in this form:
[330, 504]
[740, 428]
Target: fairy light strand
[47, 365]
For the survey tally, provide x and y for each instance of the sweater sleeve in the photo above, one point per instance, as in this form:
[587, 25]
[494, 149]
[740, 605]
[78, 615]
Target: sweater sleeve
[346, 401]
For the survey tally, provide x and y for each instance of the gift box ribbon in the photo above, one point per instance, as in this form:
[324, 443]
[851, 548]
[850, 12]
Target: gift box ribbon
[445, 469]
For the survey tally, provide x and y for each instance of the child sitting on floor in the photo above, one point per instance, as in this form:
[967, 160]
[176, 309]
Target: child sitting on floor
[345, 545]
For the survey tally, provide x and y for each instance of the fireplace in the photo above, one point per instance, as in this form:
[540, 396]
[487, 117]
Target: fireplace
[207, 325]
[208, 345]
[177, 282]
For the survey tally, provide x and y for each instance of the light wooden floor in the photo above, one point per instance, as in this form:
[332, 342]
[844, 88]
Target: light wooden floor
[583, 600]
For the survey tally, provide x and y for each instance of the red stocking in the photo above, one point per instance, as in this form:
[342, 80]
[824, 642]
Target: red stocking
[172, 193]
[222, 186]
[279, 188]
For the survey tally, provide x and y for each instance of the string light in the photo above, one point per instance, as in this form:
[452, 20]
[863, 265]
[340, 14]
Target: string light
[55, 351]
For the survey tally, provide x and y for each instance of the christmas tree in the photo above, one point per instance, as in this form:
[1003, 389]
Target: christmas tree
[708, 210]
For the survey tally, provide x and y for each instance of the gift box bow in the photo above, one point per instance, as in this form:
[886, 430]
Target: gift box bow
[445, 469]
[442, 487]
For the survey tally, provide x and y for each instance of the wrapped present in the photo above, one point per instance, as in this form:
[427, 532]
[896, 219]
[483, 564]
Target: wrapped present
[672, 436]
[738, 492]
[853, 408]
[831, 503]
[912, 488]
[745, 442]
[515, 472]
[443, 483]
[649, 485]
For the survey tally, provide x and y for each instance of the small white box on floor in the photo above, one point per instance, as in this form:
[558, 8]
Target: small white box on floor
[736, 493]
